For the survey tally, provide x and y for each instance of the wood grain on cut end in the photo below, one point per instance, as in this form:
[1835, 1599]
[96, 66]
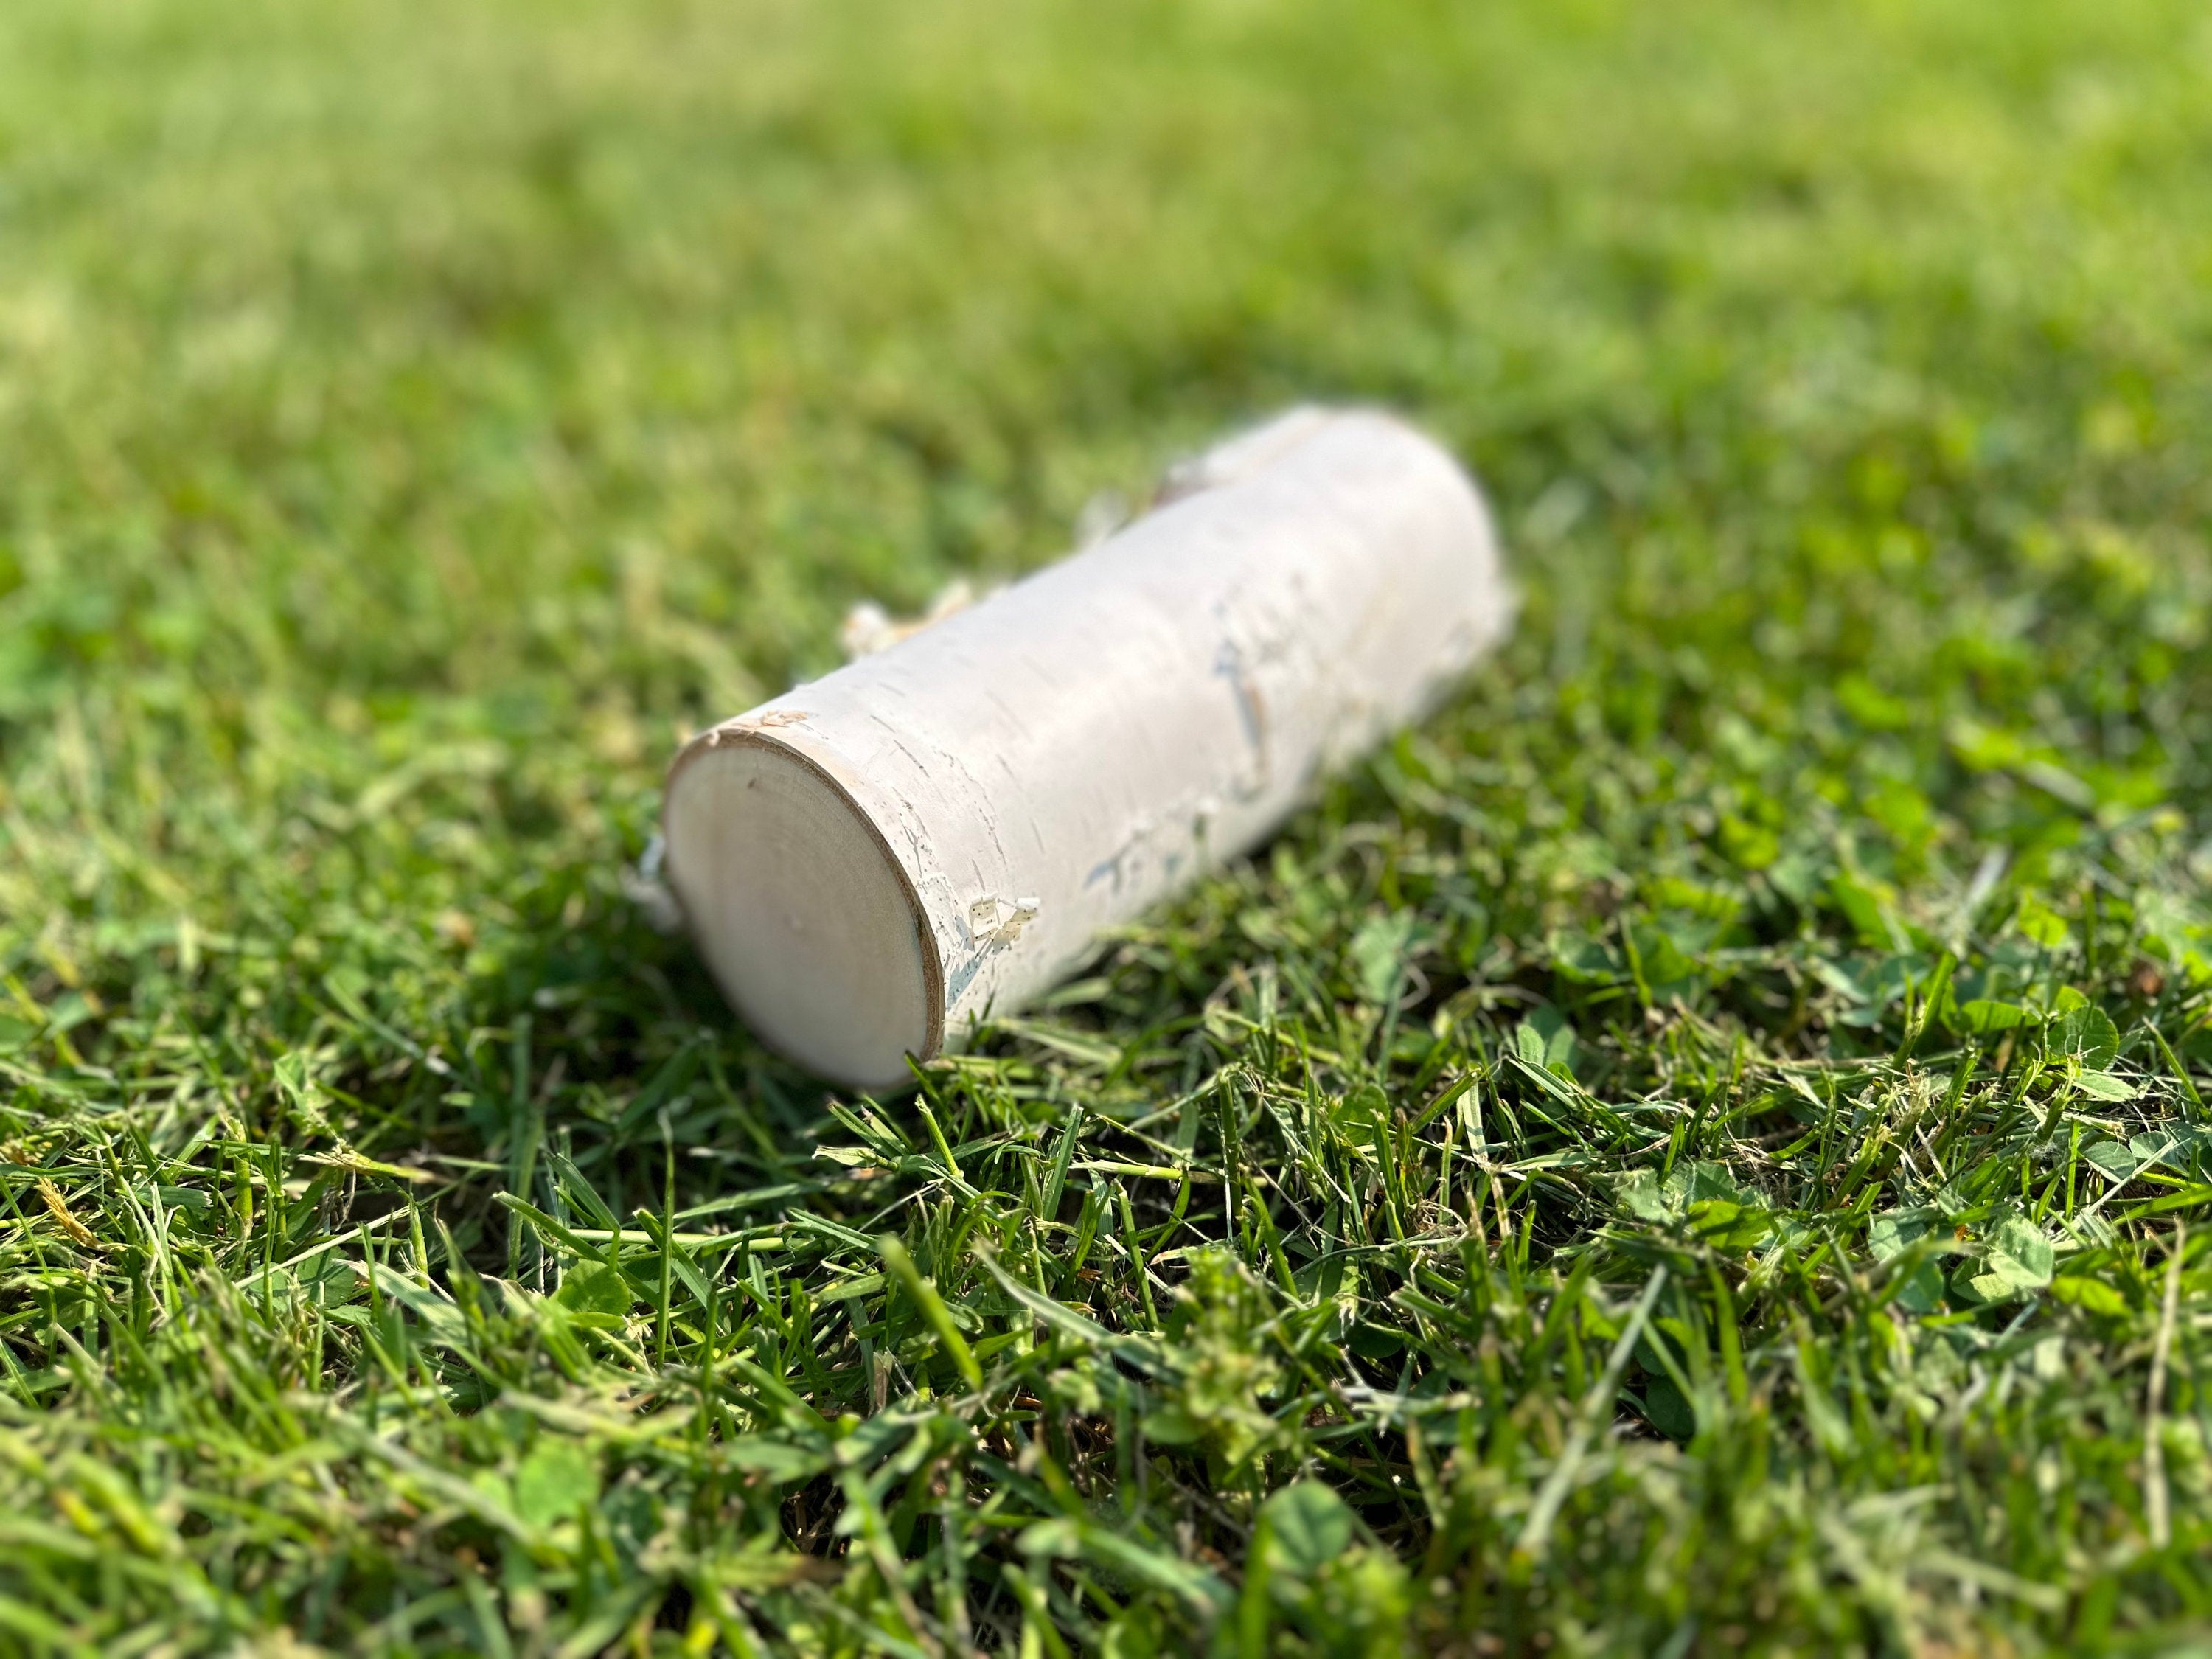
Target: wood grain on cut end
[811, 926]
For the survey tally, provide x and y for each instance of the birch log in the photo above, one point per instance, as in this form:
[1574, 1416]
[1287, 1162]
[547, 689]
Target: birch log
[873, 861]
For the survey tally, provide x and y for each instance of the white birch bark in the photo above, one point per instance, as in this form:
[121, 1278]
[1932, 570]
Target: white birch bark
[872, 861]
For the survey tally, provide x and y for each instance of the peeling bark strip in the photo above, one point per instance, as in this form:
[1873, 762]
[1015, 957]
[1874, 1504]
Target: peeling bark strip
[871, 861]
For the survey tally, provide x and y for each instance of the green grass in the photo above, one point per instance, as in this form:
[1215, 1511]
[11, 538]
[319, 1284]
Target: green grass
[1699, 1147]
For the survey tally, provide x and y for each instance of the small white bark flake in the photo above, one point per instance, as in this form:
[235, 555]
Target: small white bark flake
[873, 860]
[1000, 922]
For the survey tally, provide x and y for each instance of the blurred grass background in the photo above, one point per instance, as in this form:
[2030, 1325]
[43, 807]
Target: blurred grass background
[413, 420]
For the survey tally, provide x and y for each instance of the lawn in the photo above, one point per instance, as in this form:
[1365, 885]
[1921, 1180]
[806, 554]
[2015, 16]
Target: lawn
[1700, 1146]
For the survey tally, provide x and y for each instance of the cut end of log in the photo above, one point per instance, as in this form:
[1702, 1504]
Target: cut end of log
[805, 918]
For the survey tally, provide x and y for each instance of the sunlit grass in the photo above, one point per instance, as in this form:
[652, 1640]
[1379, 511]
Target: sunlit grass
[1699, 1146]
